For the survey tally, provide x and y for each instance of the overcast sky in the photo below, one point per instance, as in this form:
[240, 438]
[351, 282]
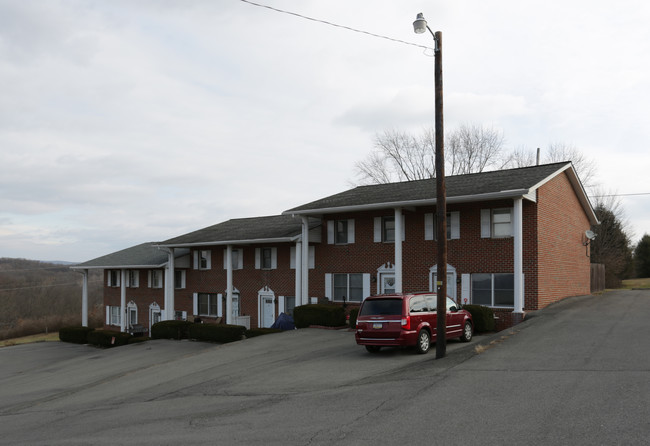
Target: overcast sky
[130, 121]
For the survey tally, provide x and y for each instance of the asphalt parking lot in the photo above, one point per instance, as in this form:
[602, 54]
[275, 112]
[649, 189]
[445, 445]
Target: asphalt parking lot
[577, 372]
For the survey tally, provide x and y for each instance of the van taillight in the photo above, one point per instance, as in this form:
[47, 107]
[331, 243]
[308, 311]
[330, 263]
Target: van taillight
[406, 323]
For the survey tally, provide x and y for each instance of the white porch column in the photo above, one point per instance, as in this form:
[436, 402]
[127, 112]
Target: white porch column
[398, 250]
[518, 255]
[298, 265]
[84, 299]
[170, 313]
[229, 284]
[305, 261]
[123, 300]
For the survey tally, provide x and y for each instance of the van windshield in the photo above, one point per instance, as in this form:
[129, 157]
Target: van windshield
[381, 307]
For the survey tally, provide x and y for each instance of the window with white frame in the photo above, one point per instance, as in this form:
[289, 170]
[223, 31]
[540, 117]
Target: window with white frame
[155, 277]
[208, 304]
[388, 229]
[431, 226]
[114, 278]
[203, 259]
[132, 313]
[340, 232]
[493, 290]
[113, 314]
[179, 279]
[133, 278]
[496, 223]
[347, 287]
[237, 258]
[266, 258]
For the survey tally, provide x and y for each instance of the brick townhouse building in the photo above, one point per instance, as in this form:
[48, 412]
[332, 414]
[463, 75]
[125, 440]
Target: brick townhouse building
[516, 243]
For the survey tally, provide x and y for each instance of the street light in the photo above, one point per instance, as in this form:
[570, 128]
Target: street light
[420, 26]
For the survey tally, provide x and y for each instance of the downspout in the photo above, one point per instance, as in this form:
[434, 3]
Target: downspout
[229, 284]
[518, 259]
[305, 261]
[298, 299]
[398, 250]
[123, 300]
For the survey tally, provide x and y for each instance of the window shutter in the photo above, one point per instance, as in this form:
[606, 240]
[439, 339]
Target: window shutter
[196, 259]
[240, 259]
[312, 257]
[108, 315]
[258, 262]
[225, 258]
[403, 227]
[195, 304]
[465, 288]
[377, 237]
[328, 286]
[208, 259]
[184, 279]
[428, 226]
[280, 304]
[351, 230]
[366, 286]
[108, 277]
[455, 225]
[219, 305]
[292, 257]
[485, 223]
[149, 278]
[330, 232]
[274, 258]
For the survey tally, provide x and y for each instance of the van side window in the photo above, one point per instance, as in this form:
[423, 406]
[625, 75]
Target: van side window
[432, 302]
[418, 304]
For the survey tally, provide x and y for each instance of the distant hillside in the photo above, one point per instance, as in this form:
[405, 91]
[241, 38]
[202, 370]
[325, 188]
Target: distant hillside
[43, 296]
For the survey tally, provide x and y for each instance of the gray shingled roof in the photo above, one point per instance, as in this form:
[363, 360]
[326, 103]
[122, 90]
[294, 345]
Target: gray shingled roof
[277, 227]
[458, 186]
[145, 254]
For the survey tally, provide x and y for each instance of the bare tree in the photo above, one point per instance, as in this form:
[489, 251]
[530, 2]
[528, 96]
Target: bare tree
[399, 156]
[585, 167]
[473, 148]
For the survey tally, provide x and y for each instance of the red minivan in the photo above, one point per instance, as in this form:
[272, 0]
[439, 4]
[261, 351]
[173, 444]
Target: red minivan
[406, 320]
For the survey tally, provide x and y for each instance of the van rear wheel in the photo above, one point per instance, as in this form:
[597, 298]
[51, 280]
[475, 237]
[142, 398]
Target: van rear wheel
[424, 342]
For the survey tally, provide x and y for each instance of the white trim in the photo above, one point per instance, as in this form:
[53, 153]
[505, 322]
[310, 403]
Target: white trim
[328, 286]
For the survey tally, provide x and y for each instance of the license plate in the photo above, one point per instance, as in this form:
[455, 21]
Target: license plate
[377, 326]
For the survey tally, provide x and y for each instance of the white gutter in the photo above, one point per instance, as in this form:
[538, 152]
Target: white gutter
[231, 242]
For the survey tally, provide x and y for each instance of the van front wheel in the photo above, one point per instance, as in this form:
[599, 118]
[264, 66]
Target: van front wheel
[424, 342]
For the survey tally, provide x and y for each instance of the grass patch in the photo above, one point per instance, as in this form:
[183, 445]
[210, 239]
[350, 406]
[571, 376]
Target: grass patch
[636, 283]
[43, 337]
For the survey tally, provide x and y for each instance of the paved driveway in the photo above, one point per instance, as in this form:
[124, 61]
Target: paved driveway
[578, 372]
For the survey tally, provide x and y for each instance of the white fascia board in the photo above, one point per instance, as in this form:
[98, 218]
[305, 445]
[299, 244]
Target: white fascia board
[231, 242]
[414, 203]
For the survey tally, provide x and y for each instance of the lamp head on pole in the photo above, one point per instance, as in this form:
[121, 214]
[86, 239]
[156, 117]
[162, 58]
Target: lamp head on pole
[420, 25]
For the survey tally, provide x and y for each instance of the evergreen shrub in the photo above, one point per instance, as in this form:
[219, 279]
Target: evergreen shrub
[354, 314]
[221, 333]
[76, 334]
[327, 315]
[483, 318]
[253, 332]
[171, 330]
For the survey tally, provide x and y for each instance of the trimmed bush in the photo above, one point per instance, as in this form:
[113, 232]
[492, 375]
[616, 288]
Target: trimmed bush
[76, 335]
[483, 318]
[354, 314]
[319, 314]
[253, 332]
[108, 338]
[171, 330]
[221, 333]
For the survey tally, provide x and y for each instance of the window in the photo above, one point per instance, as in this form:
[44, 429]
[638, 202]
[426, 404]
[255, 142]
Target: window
[208, 304]
[496, 223]
[155, 278]
[113, 315]
[266, 258]
[348, 287]
[237, 259]
[388, 229]
[431, 226]
[204, 259]
[493, 290]
[132, 314]
[341, 235]
[133, 278]
[340, 232]
[179, 279]
[114, 278]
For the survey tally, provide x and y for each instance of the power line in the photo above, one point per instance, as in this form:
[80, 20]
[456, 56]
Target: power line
[620, 195]
[337, 25]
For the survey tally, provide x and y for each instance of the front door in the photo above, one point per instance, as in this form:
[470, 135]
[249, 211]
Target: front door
[387, 283]
[268, 315]
[451, 284]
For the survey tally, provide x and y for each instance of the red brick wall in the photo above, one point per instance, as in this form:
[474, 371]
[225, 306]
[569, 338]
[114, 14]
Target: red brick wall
[563, 265]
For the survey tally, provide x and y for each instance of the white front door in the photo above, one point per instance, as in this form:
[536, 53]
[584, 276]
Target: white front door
[387, 283]
[267, 309]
